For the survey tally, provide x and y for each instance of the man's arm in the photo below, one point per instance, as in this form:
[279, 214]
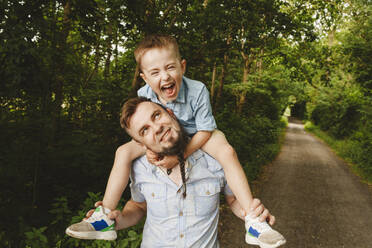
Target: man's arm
[131, 214]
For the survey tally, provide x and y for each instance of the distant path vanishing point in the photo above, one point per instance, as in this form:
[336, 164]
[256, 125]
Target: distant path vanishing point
[317, 201]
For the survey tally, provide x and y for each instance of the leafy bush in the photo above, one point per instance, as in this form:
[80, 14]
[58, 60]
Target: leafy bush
[254, 139]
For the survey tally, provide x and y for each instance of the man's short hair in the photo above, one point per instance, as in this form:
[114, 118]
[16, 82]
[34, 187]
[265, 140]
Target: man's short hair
[128, 110]
[156, 41]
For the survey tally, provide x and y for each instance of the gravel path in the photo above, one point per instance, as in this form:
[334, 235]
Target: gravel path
[317, 201]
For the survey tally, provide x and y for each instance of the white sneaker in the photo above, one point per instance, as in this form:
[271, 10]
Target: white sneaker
[260, 233]
[97, 226]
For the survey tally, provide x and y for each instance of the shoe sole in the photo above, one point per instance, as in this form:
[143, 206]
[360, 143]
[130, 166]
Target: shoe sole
[108, 235]
[254, 241]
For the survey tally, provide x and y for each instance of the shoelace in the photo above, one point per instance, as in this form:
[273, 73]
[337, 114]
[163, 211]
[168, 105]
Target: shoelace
[261, 226]
[94, 217]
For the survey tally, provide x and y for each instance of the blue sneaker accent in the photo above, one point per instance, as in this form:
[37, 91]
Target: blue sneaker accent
[99, 225]
[254, 232]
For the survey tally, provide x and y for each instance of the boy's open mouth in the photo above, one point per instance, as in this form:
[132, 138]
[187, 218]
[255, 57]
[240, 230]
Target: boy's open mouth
[169, 89]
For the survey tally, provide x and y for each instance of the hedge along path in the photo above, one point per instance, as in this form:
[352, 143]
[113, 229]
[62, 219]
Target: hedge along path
[316, 199]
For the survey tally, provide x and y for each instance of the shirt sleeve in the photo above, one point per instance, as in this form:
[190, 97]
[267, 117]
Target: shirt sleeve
[227, 190]
[215, 167]
[135, 185]
[204, 119]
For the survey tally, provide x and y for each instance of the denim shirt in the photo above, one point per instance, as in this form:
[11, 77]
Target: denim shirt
[192, 105]
[173, 221]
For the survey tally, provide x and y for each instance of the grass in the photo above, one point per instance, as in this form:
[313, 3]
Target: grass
[347, 149]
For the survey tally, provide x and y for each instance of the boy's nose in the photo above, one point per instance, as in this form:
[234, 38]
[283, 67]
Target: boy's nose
[165, 76]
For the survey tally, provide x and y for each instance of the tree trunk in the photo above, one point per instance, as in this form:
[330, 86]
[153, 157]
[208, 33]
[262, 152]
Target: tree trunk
[213, 83]
[106, 70]
[224, 70]
[241, 102]
[222, 80]
[259, 61]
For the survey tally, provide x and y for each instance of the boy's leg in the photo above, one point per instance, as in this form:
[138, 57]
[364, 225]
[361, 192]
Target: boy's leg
[99, 226]
[119, 175]
[219, 148]
[258, 233]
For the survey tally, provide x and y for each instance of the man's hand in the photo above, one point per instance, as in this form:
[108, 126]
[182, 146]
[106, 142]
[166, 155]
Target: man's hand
[131, 214]
[260, 211]
[257, 210]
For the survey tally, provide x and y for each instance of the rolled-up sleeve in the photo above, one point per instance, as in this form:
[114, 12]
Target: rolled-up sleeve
[204, 119]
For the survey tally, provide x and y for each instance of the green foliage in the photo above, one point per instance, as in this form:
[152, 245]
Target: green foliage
[355, 149]
[337, 111]
[254, 139]
[36, 238]
[67, 66]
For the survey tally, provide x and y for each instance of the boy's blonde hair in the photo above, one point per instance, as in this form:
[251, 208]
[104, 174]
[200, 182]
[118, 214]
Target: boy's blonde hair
[156, 41]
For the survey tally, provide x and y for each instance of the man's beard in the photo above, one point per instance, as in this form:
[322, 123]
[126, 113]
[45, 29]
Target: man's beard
[179, 146]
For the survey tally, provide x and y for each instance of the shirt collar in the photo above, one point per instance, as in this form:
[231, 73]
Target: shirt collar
[182, 94]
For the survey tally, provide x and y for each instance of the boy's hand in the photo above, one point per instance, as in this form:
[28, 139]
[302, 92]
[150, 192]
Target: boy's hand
[167, 162]
[152, 157]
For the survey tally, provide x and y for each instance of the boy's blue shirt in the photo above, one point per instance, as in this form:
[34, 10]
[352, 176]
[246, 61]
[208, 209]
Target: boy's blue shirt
[192, 105]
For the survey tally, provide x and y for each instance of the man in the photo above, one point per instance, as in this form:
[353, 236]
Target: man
[182, 204]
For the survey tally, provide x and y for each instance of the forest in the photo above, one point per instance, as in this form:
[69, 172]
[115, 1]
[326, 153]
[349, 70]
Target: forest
[67, 66]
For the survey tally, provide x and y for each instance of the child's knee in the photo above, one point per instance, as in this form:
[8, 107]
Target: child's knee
[227, 151]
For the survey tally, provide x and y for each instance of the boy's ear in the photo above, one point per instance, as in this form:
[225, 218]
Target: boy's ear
[183, 66]
[142, 76]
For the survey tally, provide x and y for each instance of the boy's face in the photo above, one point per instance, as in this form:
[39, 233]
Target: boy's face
[163, 71]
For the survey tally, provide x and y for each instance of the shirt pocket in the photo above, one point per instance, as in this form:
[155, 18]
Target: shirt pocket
[206, 197]
[155, 195]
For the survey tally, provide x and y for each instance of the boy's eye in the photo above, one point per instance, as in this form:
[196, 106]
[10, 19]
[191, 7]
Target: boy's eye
[156, 116]
[155, 73]
[171, 67]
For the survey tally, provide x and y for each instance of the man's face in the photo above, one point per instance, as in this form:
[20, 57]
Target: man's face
[154, 127]
[162, 70]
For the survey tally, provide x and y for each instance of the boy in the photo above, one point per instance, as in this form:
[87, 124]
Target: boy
[162, 69]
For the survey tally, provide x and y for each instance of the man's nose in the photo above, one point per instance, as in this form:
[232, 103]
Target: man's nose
[159, 129]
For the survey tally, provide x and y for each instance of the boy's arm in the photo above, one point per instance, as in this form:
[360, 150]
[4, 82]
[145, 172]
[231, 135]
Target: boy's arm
[197, 141]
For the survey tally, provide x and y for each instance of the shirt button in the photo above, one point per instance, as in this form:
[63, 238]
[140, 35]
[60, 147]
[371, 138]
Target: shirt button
[181, 213]
[208, 193]
[153, 194]
[181, 236]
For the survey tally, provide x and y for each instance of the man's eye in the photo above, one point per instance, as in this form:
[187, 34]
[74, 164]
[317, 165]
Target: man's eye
[171, 67]
[154, 73]
[157, 115]
[144, 131]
